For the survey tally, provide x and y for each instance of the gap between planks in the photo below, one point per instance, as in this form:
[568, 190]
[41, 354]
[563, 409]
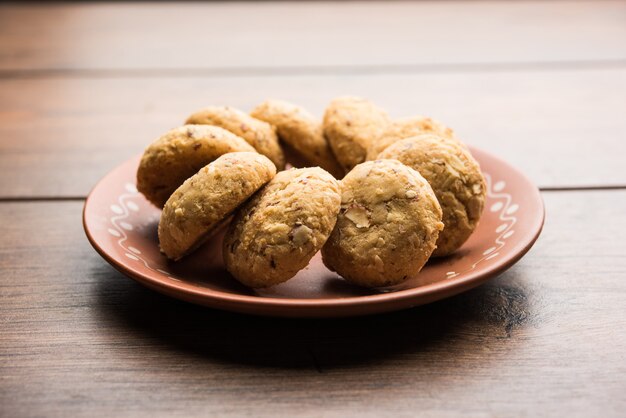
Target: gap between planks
[329, 70]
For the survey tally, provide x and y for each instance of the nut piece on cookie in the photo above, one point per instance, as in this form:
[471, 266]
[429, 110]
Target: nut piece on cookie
[179, 154]
[406, 128]
[456, 179]
[387, 227]
[257, 133]
[351, 124]
[277, 232]
[196, 209]
[300, 131]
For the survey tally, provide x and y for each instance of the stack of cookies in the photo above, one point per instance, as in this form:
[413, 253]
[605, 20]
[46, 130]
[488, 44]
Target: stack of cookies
[377, 196]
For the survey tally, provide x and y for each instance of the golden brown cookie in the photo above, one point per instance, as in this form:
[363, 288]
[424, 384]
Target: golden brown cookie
[179, 154]
[387, 227]
[195, 210]
[456, 180]
[259, 134]
[405, 128]
[277, 232]
[301, 131]
[351, 124]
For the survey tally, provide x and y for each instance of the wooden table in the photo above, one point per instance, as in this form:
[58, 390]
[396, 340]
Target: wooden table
[85, 86]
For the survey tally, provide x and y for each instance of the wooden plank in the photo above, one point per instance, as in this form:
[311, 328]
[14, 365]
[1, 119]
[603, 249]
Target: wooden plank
[307, 34]
[78, 339]
[562, 128]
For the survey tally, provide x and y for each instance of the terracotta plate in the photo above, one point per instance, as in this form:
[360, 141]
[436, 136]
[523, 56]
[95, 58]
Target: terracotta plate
[122, 227]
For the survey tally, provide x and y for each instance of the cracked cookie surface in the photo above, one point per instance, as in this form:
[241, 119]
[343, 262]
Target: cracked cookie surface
[257, 133]
[195, 210]
[179, 154]
[456, 179]
[406, 128]
[387, 227]
[351, 124]
[300, 131]
[277, 232]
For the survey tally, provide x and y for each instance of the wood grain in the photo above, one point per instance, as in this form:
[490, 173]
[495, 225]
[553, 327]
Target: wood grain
[562, 128]
[84, 86]
[79, 339]
[307, 34]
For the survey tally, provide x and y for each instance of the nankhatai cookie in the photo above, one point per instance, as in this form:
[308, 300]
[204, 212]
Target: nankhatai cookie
[206, 199]
[301, 131]
[405, 128]
[456, 179]
[277, 232]
[387, 227]
[351, 124]
[257, 133]
[179, 154]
